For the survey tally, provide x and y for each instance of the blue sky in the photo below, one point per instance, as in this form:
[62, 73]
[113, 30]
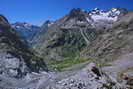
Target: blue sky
[37, 11]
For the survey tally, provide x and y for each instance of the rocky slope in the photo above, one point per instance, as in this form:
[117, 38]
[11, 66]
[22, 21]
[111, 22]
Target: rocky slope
[16, 60]
[36, 39]
[113, 42]
[73, 33]
[90, 77]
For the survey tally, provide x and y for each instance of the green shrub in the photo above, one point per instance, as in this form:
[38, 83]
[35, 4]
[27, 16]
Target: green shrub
[67, 62]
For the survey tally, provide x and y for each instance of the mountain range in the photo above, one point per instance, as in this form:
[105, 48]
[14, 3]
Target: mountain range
[70, 35]
[81, 50]
[26, 31]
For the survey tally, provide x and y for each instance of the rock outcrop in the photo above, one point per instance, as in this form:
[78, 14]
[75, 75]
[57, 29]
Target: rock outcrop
[83, 79]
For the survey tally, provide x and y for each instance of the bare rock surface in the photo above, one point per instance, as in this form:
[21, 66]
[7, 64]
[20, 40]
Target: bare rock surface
[90, 77]
[87, 78]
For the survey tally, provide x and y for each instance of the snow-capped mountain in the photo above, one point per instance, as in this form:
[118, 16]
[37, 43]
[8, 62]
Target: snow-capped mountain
[96, 16]
[110, 15]
[26, 31]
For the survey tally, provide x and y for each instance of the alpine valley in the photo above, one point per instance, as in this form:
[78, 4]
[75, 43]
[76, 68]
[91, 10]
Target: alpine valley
[81, 50]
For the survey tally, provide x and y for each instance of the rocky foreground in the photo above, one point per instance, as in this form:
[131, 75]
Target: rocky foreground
[90, 77]
[116, 75]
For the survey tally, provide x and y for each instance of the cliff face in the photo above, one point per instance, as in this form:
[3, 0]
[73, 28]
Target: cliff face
[16, 59]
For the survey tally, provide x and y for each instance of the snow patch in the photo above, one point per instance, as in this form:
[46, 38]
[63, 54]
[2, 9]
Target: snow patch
[98, 15]
[102, 17]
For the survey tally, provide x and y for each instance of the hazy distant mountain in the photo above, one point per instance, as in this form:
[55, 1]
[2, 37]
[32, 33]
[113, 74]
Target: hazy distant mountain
[26, 31]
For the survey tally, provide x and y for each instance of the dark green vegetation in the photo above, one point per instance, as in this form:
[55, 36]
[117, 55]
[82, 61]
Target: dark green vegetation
[65, 46]
[66, 63]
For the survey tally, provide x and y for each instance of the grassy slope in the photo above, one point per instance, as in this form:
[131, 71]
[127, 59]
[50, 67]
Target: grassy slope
[67, 63]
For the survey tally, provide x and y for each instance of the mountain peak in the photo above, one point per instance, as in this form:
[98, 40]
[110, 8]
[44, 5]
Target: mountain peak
[47, 22]
[25, 30]
[22, 24]
[75, 11]
[111, 15]
[96, 15]
[3, 20]
[78, 14]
